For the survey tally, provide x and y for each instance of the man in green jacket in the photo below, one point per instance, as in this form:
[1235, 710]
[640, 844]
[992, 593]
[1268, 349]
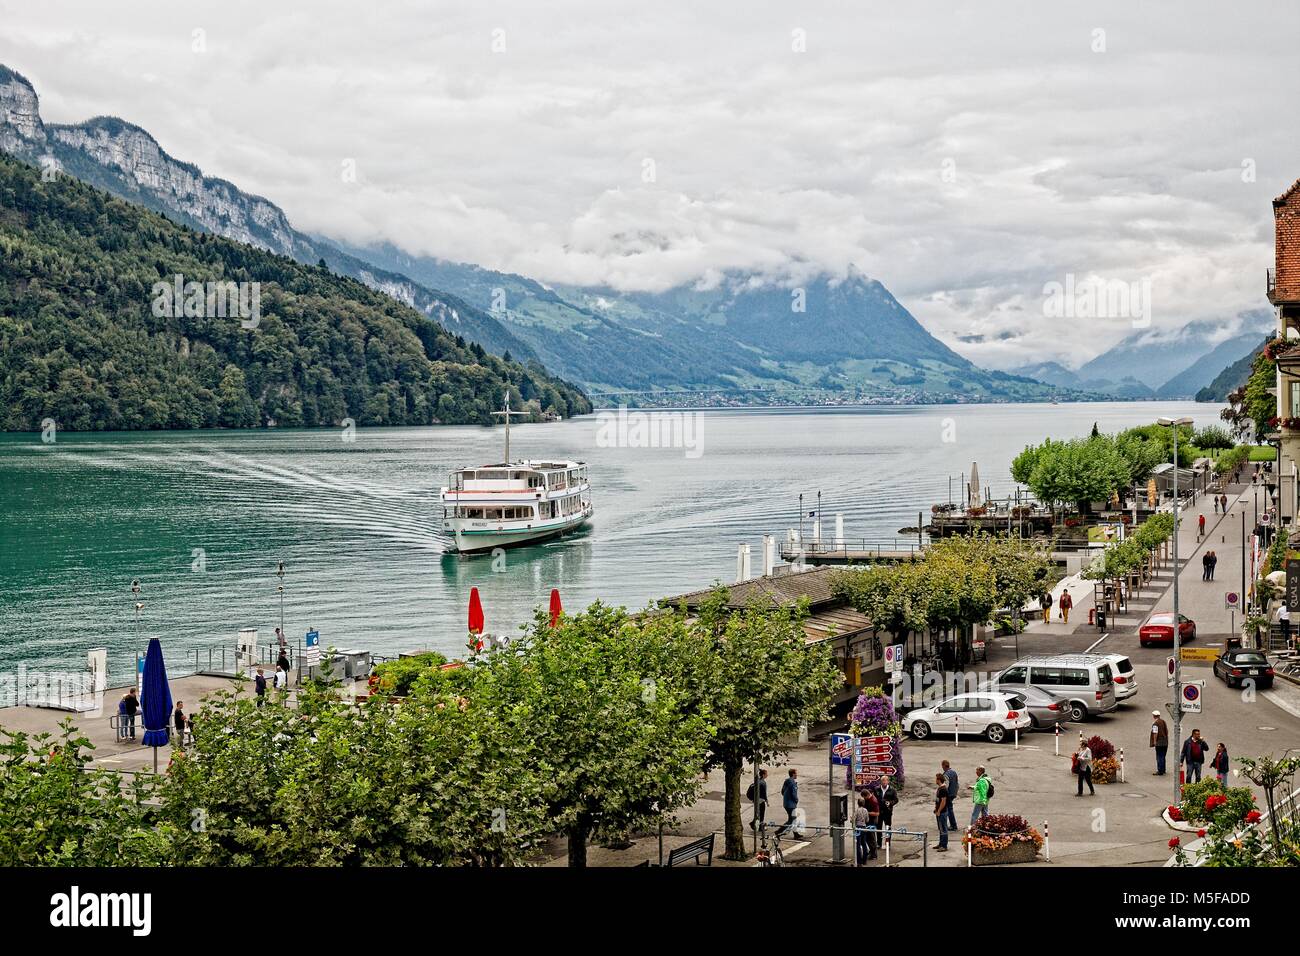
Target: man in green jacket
[980, 796]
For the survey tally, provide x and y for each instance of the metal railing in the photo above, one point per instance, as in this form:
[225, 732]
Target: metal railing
[875, 546]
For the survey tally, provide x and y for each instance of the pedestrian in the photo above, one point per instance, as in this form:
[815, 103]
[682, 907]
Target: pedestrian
[873, 822]
[888, 800]
[1216, 504]
[1045, 605]
[950, 776]
[1082, 765]
[760, 812]
[1214, 563]
[1205, 566]
[178, 721]
[941, 811]
[1160, 741]
[121, 718]
[282, 641]
[1066, 603]
[1193, 756]
[789, 799]
[1223, 501]
[281, 677]
[1200, 527]
[1220, 765]
[283, 660]
[980, 796]
[132, 708]
[861, 839]
[259, 686]
[1284, 619]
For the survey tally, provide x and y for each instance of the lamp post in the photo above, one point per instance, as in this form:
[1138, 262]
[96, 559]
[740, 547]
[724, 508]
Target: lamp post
[1176, 423]
[279, 573]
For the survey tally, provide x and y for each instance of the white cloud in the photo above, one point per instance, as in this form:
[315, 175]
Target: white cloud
[1124, 164]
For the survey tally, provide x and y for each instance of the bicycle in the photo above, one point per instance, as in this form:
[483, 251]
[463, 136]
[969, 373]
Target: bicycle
[771, 856]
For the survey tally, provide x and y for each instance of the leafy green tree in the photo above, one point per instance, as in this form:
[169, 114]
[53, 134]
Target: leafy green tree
[766, 680]
[436, 780]
[616, 741]
[55, 810]
[1212, 437]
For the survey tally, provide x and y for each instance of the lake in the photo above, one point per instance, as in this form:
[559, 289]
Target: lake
[202, 518]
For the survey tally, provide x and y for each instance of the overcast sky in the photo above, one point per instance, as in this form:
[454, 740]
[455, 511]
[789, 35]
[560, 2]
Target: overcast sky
[963, 153]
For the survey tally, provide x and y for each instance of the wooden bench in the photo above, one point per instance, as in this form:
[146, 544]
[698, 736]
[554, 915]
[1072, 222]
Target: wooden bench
[693, 851]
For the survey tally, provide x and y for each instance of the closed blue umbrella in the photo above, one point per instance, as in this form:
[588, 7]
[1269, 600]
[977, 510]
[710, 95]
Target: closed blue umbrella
[157, 699]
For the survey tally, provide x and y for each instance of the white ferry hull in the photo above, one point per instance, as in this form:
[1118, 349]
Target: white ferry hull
[471, 537]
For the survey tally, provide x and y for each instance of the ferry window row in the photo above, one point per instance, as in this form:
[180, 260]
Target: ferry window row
[495, 514]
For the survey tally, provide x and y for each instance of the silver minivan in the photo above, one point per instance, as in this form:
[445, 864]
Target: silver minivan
[1087, 681]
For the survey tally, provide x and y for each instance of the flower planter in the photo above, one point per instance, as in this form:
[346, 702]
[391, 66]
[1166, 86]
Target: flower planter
[1019, 851]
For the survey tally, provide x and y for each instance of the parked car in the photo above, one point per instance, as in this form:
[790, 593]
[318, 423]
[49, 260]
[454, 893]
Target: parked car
[991, 713]
[1086, 681]
[1046, 710]
[1237, 665]
[1159, 629]
[1124, 675]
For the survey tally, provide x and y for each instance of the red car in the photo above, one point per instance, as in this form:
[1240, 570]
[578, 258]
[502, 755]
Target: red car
[1159, 629]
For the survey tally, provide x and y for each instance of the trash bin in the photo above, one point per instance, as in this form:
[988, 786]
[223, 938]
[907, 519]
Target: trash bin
[1101, 619]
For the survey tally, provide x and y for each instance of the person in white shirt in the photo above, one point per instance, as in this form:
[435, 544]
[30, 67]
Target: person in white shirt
[281, 679]
[1284, 619]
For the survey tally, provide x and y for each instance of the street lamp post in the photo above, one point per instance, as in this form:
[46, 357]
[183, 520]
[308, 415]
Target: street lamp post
[279, 573]
[1176, 423]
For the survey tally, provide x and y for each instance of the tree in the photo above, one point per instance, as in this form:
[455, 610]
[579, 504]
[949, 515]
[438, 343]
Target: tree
[615, 739]
[435, 780]
[765, 683]
[1078, 471]
[1213, 437]
[55, 810]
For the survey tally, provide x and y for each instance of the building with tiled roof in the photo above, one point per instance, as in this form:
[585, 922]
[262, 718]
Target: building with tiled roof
[830, 619]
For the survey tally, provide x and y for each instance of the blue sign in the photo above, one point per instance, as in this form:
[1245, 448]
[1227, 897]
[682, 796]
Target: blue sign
[841, 749]
[312, 653]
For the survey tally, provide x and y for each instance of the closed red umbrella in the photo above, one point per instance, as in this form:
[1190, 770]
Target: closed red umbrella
[556, 607]
[475, 612]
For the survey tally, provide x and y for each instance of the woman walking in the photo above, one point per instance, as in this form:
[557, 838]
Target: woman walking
[1220, 765]
[1083, 767]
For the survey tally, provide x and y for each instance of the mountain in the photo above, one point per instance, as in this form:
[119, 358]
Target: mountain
[91, 339]
[1052, 373]
[1155, 356]
[125, 160]
[1201, 372]
[1233, 377]
[845, 337]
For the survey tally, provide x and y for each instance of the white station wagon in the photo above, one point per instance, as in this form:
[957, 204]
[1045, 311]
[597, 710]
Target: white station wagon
[993, 714]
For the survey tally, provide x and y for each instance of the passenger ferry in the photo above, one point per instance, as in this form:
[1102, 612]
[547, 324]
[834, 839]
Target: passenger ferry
[514, 502]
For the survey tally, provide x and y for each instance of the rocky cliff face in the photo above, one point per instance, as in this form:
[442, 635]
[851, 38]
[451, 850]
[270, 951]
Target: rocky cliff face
[214, 204]
[125, 160]
[20, 115]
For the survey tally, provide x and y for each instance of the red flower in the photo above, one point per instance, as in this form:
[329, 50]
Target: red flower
[1175, 813]
[1253, 816]
[1200, 833]
[1173, 844]
[1214, 802]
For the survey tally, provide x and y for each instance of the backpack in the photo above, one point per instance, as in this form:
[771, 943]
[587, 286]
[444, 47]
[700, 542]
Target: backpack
[989, 795]
[749, 794]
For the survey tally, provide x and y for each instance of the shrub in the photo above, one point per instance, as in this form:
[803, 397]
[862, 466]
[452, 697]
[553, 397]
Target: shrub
[1208, 802]
[397, 677]
[997, 831]
[1101, 747]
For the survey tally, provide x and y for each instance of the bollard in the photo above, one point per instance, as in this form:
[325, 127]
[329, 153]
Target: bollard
[1121, 764]
[1058, 740]
[1047, 843]
[1017, 738]
[955, 741]
[968, 848]
[888, 843]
